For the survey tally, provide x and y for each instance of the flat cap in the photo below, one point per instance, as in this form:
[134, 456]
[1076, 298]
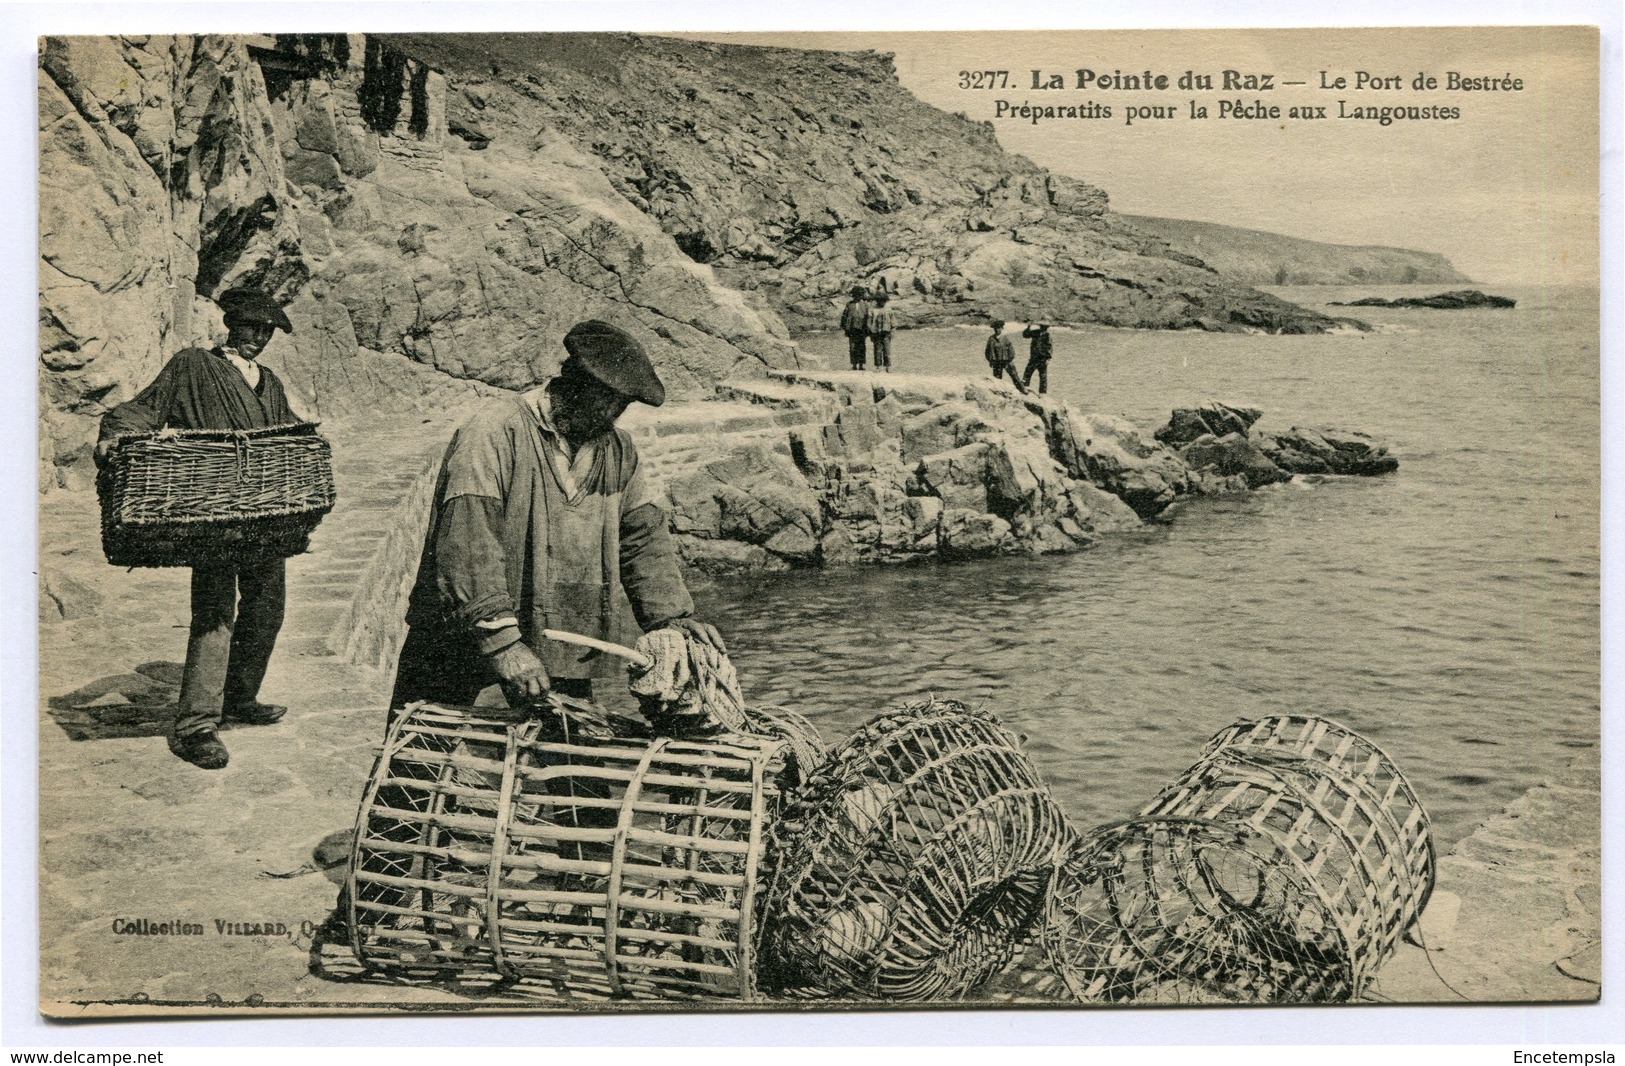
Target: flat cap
[252, 306]
[614, 357]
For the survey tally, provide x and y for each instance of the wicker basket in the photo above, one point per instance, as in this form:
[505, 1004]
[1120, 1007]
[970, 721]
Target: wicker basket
[1282, 867]
[558, 849]
[191, 497]
[912, 863]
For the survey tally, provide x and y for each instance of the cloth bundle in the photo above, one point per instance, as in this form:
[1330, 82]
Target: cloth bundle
[690, 688]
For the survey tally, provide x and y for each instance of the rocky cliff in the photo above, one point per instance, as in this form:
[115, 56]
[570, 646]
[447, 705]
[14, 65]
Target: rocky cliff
[318, 168]
[1254, 257]
[795, 173]
[437, 211]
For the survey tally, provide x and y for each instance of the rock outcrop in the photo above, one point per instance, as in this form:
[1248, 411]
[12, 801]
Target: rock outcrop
[1255, 257]
[1216, 440]
[1444, 301]
[809, 468]
[795, 173]
[437, 211]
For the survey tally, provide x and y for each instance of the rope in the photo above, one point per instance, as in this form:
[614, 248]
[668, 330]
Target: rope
[1421, 942]
[689, 688]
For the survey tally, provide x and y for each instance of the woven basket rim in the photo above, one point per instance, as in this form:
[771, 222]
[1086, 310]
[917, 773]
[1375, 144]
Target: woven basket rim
[1213, 746]
[172, 433]
[1112, 835]
[221, 520]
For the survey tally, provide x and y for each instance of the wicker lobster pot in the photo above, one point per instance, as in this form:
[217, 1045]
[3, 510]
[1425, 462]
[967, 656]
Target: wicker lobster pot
[912, 863]
[489, 841]
[185, 497]
[1282, 867]
[1183, 910]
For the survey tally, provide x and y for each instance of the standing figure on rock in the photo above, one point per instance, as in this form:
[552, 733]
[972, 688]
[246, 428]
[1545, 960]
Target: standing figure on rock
[237, 605]
[542, 516]
[1039, 350]
[1000, 354]
[855, 324]
[882, 323]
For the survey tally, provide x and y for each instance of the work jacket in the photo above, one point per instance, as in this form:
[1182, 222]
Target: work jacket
[523, 528]
[855, 318]
[1039, 348]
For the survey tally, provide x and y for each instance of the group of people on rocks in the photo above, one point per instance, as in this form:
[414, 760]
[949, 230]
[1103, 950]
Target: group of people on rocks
[869, 322]
[1000, 353]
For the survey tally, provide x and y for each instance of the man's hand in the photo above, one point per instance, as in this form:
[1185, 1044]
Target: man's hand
[703, 632]
[103, 449]
[522, 674]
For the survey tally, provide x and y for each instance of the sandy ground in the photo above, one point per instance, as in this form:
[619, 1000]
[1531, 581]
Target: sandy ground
[252, 855]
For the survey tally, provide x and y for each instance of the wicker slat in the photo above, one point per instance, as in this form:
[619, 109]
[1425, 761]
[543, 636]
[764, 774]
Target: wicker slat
[912, 863]
[185, 497]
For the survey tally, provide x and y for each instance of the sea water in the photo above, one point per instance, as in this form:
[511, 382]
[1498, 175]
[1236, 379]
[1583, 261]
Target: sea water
[1448, 611]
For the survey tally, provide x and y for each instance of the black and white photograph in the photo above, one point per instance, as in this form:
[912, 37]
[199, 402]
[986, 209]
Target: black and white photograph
[538, 522]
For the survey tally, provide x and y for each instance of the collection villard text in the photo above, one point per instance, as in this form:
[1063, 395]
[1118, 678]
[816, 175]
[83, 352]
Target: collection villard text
[1256, 107]
[218, 926]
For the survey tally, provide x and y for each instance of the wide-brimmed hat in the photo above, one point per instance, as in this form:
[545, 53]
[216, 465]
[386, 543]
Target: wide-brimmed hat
[252, 307]
[614, 357]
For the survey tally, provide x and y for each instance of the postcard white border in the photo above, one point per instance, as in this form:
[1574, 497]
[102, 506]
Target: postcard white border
[21, 24]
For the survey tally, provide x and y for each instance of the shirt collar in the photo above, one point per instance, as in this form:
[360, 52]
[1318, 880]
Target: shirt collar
[541, 405]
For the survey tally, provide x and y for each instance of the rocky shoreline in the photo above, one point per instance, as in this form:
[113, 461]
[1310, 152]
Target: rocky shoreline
[1444, 301]
[886, 468]
[457, 202]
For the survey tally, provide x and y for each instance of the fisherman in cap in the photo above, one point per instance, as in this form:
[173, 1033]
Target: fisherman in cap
[542, 517]
[237, 605]
[855, 324]
[1000, 354]
[1039, 350]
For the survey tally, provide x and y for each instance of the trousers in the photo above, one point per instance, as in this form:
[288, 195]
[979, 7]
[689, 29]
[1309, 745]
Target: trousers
[1000, 368]
[237, 610]
[856, 351]
[1041, 368]
[882, 343]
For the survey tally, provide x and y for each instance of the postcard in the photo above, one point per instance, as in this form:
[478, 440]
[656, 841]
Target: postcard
[555, 522]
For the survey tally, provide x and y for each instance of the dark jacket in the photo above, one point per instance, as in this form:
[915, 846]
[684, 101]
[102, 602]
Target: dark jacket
[855, 318]
[999, 350]
[1040, 348]
[201, 389]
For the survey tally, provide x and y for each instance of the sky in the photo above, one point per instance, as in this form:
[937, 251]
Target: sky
[1509, 191]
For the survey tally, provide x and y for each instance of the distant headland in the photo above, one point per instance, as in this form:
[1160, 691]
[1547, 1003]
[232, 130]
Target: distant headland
[1445, 301]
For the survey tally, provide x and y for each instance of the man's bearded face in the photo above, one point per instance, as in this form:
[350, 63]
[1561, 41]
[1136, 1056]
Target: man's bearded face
[584, 407]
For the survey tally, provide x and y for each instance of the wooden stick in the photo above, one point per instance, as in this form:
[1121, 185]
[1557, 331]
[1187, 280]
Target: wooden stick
[618, 650]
